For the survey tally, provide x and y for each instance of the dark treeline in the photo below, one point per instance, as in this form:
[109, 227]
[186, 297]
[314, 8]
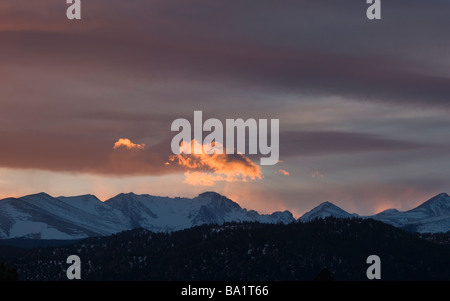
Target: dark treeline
[331, 249]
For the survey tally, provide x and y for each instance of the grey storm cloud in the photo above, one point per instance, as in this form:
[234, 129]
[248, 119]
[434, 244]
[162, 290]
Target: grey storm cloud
[319, 143]
[306, 47]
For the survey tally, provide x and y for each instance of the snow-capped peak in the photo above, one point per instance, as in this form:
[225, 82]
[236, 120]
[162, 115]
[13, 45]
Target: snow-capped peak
[431, 216]
[218, 201]
[38, 196]
[387, 213]
[324, 210]
[211, 195]
[436, 206]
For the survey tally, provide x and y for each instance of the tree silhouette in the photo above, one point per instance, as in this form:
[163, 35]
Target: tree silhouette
[7, 273]
[324, 275]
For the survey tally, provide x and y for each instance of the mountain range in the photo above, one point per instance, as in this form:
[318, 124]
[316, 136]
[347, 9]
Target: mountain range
[41, 216]
[432, 216]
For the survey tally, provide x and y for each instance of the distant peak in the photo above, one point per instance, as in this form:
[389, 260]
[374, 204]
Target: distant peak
[324, 210]
[438, 198]
[210, 194]
[445, 195]
[87, 196]
[438, 205]
[217, 199]
[391, 210]
[326, 204]
[40, 194]
[127, 194]
[83, 196]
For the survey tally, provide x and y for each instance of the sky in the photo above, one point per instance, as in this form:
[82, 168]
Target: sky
[86, 106]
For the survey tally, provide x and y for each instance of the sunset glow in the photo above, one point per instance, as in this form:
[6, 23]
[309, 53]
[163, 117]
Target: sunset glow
[206, 170]
[127, 144]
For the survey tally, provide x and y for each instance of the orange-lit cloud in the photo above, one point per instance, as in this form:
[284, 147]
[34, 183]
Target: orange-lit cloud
[206, 170]
[129, 158]
[283, 172]
[123, 142]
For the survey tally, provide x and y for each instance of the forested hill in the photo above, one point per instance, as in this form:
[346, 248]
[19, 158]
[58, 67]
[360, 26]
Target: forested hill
[244, 251]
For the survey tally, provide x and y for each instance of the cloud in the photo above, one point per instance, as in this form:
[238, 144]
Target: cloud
[69, 152]
[283, 172]
[358, 64]
[319, 143]
[206, 170]
[132, 159]
[124, 142]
